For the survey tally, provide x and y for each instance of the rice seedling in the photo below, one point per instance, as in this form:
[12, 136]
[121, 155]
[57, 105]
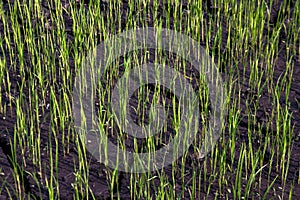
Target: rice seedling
[44, 45]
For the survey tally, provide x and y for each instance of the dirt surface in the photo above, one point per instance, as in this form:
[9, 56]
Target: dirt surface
[36, 188]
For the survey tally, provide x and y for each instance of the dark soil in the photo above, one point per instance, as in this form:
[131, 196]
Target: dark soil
[98, 182]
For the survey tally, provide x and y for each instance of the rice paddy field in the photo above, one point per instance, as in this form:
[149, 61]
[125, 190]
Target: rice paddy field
[254, 45]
